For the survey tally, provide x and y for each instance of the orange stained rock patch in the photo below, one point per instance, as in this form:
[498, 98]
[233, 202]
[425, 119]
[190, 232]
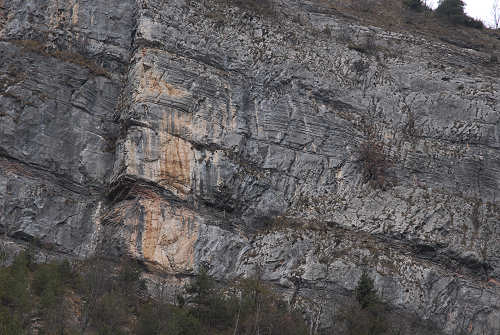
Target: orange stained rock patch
[175, 166]
[176, 155]
[151, 82]
[494, 282]
[14, 168]
[74, 16]
[176, 122]
[162, 157]
[168, 237]
[152, 230]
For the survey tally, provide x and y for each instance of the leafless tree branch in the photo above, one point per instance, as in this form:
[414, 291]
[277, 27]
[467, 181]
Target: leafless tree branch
[495, 13]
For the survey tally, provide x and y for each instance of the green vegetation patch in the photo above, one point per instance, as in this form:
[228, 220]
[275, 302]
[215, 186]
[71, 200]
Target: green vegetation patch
[101, 297]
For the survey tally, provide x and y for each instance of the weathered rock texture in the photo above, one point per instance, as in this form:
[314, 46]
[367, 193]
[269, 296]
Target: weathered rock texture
[184, 133]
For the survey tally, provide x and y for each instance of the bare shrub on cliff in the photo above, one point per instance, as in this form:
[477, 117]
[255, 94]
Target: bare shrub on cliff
[372, 151]
[259, 7]
[366, 46]
[375, 162]
[495, 13]
[363, 5]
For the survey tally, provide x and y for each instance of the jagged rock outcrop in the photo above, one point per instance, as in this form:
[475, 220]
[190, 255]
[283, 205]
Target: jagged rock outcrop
[184, 133]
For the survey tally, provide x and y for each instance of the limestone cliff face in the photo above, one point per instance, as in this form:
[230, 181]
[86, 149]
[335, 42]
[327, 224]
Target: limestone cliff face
[184, 133]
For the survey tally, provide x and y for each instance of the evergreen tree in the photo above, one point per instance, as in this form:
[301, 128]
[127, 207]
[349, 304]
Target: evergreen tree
[201, 288]
[365, 291]
[453, 10]
[415, 5]
[367, 315]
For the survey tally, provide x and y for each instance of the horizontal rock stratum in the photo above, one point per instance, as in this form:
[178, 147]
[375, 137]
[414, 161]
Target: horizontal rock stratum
[293, 142]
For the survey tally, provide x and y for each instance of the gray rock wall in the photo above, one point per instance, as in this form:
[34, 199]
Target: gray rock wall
[183, 133]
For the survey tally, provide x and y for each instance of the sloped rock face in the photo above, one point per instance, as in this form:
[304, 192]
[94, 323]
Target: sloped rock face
[59, 87]
[184, 133]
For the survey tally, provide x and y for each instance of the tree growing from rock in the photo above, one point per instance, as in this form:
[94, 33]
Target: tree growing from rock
[452, 9]
[366, 315]
[416, 5]
[366, 295]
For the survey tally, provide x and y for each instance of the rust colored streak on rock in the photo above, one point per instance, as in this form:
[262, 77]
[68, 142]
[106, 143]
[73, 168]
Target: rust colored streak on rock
[176, 165]
[151, 82]
[152, 230]
[74, 16]
[168, 240]
[494, 282]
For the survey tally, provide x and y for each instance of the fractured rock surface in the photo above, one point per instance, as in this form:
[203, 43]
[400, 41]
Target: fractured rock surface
[184, 133]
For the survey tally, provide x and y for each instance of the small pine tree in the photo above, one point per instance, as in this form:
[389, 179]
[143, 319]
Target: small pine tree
[415, 5]
[202, 288]
[453, 10]
[368, 315]
[365, 291]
